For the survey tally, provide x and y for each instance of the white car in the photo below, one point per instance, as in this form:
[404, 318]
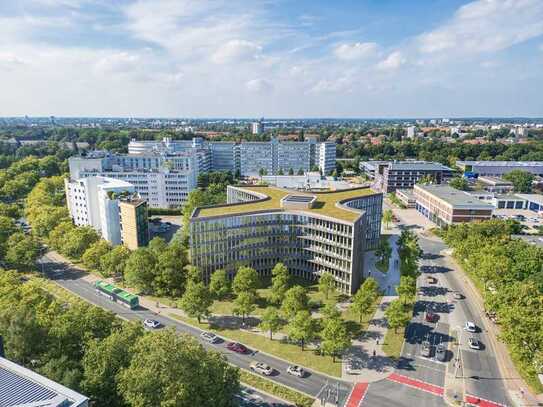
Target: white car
[209, 337]
[474, 343]
[470, 327]
[296, 371]
[352, 366]
[261, 368]
[151, 323]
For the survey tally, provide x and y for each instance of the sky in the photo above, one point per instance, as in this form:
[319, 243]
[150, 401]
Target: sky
[271, 58]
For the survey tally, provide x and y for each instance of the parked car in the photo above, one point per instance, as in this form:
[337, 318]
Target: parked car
[261, 368]
[470, 327]
[457, 295]
[426, 349]
[352, 366]
[151, 323]
[296, 371]
[210, 337]
[431, 316]
[431, 280]
[474, 343]
[441, 353]
[236, 347]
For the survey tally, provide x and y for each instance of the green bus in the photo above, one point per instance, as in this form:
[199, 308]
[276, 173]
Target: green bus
[116, 294]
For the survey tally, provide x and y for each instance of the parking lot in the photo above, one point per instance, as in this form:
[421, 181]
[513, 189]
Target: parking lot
[164, 226]
[530, 219]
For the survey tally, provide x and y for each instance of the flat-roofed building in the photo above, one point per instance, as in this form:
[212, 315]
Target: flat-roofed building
[499, 168]
[406, 197]
[311, 233]
[393, 175]
[21, 387]
[134, 222]
[496, 184]
[445, 205]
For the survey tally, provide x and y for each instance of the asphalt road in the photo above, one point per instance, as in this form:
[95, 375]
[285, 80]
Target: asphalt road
[481, 374]
[313, 384]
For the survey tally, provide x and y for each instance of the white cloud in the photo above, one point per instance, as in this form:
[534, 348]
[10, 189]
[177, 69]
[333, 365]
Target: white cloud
[119, 62]
[355, 51]
[259, 85]
[486, 26]
[392, 62]
[236, 50]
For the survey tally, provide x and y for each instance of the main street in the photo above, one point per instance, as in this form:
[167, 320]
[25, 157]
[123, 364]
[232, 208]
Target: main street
[71, 279]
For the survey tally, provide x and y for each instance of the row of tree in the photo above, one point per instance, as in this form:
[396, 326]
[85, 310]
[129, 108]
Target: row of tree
[510, 274]
[113, 362]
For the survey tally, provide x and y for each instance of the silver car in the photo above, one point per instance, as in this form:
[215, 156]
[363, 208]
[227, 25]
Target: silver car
[209, 337]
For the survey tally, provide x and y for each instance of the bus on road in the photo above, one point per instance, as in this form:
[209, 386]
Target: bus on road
[116, 294]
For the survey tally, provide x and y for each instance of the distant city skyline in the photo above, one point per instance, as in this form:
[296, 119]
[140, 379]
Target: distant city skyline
[277, 59]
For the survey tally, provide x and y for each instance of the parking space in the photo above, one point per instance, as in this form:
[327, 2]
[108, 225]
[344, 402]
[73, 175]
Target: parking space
[164, 226]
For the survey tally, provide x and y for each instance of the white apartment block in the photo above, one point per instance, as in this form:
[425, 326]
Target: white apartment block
[93, 201]
[411, 131]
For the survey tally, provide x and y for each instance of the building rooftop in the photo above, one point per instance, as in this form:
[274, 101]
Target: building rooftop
[454, 197]
[495, 181]
[418, 166]
[325, 203]
[490, 163]
[536, 198]
[21, 387]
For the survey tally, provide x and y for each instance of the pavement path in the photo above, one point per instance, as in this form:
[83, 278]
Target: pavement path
[366, 354]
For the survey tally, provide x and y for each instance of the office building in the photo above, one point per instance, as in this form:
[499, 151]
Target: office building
[311, 233]
[389, 176]
[445, 205]
[134, 222]
[164, 180]
[499, 168]
[257, 127]
[98, 202]
[406, 197]
[495, 184]
[21, 387]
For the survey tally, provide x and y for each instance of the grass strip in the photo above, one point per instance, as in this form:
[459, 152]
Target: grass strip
[283, 392]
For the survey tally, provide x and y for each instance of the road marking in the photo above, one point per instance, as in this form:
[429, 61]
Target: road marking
[357, 395]
[417, 384]
[478, 401]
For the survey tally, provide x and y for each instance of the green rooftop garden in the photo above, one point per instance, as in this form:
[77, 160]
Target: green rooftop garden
[324, 205]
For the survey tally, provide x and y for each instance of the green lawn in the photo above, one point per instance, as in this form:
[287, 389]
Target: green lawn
[286, 393]
[392, 346]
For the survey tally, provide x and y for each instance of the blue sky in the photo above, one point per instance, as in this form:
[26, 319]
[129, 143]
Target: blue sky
[271, 58]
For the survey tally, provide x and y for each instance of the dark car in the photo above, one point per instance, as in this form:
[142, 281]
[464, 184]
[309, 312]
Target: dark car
[441, 353]
[236, 347]
[431, 316]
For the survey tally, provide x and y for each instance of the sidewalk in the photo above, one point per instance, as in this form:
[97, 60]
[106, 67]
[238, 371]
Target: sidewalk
[366, 352]
[389, 280]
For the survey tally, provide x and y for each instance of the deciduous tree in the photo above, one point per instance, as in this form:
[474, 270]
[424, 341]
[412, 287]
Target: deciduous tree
[196, 300]
[271, 320]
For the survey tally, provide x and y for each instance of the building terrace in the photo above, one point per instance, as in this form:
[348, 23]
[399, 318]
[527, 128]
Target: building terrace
[326, 203]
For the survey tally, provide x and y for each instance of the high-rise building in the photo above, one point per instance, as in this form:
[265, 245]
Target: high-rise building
[134, 223]
[257, 127]
[311, 233]
[411, 131]
[98, 202]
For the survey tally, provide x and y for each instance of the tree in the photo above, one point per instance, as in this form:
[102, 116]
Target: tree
[407, 288]
[280, 172]
[383, 253]
[196, 300]
[113, 262]
[219, 285]
[44, 220]
[168, 369]
[192, 273]
[409, 252]
[245, 280]
[426, 179]
[57, 237]
[157, 245]
[335, 337]
[280, 283]
[387, 217]
[169, 280]
[244, 304]
[22, 251]
[104, 360]
[295, 300]
[330, 311]
[302, 328]
[522, 180]
[7, 228]
[291, 171]
[326, 284]
[139, 270]
[93, 255]
[459, 183]
[364, 297]
[78, 240]
[271, 320]
[300, 171]
[396, 315]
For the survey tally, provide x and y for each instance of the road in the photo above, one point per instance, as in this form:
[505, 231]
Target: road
[71, 279]
[481, 374]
